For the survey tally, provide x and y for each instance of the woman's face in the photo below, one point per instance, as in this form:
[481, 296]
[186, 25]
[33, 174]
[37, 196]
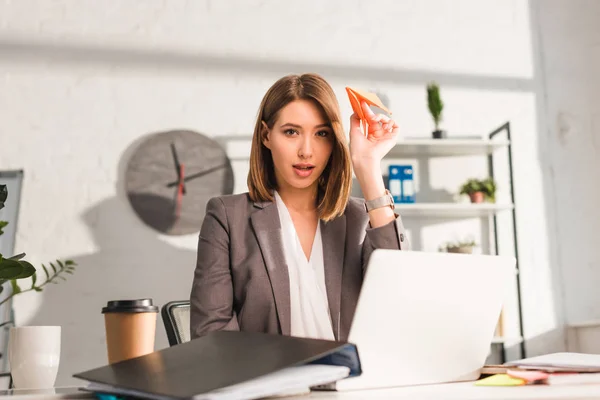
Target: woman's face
[301, 142]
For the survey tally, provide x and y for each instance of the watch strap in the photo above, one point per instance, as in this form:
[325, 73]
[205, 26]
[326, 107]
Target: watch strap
[384, 201]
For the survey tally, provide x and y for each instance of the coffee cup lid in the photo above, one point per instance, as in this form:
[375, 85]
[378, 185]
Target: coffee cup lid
[130, 306]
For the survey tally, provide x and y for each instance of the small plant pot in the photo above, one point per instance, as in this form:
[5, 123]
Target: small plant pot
[461, 249]
[439, 134]
[476, 197]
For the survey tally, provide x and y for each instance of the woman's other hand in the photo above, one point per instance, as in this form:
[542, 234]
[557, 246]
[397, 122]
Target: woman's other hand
[368, 151]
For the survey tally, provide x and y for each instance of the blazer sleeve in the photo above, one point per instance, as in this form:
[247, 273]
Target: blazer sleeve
[389, 236]
[211, 299]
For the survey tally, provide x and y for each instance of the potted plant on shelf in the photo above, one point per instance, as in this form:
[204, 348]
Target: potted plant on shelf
[436, 105]
[479, 190]
[460, 246]
[15, 268]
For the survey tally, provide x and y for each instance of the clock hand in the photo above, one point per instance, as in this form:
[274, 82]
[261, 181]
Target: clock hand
[198, 175]
[180, 192]
[177, 163]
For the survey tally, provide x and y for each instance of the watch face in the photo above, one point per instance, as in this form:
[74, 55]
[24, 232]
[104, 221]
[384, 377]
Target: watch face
[172, 175]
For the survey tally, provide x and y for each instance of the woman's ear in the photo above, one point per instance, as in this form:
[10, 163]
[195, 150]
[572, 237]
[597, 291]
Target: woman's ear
[264, 135]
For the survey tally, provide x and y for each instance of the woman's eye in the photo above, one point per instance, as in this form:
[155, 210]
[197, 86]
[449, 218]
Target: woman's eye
[323, 133]
[290, 132]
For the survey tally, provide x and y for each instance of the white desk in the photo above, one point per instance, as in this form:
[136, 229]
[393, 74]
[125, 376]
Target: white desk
[465, 391]
[58, 393]
[458, 391]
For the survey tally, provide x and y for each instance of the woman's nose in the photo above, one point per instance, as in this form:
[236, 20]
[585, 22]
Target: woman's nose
[306, 147]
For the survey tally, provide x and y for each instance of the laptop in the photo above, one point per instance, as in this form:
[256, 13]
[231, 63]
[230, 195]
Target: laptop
[426, 318]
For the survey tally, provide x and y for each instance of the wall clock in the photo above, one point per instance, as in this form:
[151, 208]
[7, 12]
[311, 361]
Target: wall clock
[172, 175]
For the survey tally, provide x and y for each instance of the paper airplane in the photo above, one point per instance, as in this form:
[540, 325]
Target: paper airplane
[371, 99]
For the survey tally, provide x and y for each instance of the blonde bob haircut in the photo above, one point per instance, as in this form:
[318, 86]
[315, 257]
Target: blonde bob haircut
[336, 180]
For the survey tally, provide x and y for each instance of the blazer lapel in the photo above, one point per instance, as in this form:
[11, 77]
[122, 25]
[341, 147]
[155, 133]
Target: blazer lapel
[267, 229]
[333, 234]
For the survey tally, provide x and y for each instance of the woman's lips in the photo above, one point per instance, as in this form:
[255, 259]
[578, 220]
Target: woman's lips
[303, 170]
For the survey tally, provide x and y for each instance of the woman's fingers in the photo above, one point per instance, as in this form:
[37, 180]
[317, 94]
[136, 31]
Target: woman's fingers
[379, 124]
[390, 126]
[386, 123]
[371, 117]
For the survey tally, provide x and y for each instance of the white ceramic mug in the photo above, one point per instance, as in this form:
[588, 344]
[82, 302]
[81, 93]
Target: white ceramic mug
[34, 355]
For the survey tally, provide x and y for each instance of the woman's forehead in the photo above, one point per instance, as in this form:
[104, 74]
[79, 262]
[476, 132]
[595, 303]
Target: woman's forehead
[302, 112]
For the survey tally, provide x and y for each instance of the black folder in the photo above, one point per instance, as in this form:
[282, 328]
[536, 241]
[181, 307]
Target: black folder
[217, 361]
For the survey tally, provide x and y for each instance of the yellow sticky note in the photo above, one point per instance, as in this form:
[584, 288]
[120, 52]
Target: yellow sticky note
[500, 380]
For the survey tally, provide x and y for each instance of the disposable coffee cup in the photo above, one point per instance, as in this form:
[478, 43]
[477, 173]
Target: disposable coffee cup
[130, 328]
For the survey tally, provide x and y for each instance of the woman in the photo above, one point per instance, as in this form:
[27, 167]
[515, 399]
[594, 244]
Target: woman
[289, 256]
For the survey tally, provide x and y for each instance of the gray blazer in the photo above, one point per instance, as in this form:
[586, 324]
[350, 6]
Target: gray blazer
[241, 279]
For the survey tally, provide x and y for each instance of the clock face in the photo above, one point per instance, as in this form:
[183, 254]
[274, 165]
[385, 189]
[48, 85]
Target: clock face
[172, 175]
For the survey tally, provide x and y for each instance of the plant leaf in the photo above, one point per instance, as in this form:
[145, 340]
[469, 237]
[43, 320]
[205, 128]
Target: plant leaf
[28, 270]
[37, 289]
[62, 266]
[10, 269]
[46, 271]
[3, 195]
[33, 280]
[17, 257]
[70, 262]
[53, 267]
[69, 272]
[15, 286]
[2, 225]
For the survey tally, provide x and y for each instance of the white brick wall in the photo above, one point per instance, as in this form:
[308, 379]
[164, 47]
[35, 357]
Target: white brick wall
[81, 81]
[570, 59]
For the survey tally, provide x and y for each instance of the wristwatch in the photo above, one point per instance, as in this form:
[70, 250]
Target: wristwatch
[387, 200]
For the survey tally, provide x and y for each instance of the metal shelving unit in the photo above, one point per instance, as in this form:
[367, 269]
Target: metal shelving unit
[493, 136]
[496, 140]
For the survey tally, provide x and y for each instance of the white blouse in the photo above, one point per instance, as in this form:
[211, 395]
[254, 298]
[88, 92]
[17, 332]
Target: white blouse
[308, 295]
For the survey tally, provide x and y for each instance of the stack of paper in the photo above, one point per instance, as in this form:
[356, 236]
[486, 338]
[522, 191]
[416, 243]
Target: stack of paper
[550, 369]
[560, 362]
[288, 381]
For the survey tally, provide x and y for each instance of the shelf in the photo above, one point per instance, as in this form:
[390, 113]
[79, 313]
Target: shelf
[445, 147]
[450, 210]
[585, 324]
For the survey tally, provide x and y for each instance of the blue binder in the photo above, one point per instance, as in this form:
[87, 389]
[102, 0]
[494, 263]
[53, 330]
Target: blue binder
[401, 183]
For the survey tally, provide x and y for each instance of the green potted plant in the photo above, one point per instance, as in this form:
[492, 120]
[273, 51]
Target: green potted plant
[479, 190]
[436, 106]
[15, 268]
[459, 246]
